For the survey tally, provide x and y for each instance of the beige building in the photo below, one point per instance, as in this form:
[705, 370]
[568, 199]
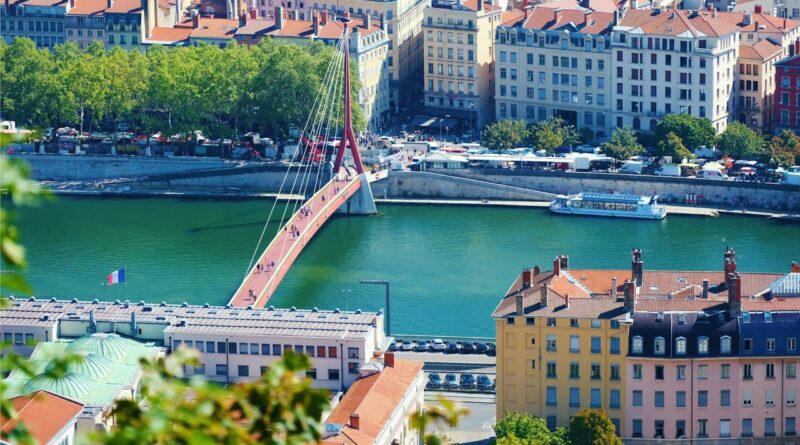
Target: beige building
[41, 21]
[555, 62]
[123, 23]
[756, 98]
[459, 59]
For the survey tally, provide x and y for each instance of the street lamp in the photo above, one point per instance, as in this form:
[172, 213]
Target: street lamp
[388, 306]
[346, 292]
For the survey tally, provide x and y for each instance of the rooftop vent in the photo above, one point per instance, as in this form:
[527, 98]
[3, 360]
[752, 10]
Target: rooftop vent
[74, 300]
[141, 302]
[95, 301]
[227, 306]
[206, 305]
[250, 307]
[32, 299]
[184, 304]
[271, 308]
[293, 309]
[659, 316]
[315, 309]
[53, 300]
[163, 304]
[336, 311]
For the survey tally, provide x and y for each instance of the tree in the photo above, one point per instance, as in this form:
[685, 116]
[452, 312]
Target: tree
[693, 131]
[586, 135]
[784, 149]
[740, 141]
[505, 135]
[623, 144]
[522, 426]
[672, 146]
[549, 134]
[592, 427]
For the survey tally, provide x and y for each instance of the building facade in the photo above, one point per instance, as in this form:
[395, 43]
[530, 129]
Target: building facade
[787, 94]
[42, 22]
[556, 62]
[756, 86]
[459, 60]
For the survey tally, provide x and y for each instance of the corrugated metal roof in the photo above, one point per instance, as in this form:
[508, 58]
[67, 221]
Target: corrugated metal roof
[789, 285]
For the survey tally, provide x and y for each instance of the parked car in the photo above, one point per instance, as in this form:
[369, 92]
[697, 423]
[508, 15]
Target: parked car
[468, 348]
[393, 346]
[434, 381]
[438, 345]
[452, 348]
[485, 383]
[481, 348]
[492, 349]
[467, 381]
[422, 346]
[407, 345]
[450, 381]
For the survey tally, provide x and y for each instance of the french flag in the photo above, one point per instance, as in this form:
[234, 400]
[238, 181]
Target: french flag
[118, 276]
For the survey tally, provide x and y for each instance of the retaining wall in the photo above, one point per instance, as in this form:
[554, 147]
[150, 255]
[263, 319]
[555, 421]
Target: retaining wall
[88, 167]
[439, 186]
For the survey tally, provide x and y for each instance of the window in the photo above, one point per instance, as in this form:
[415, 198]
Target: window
[530, 321]
[659, 372]
[702, 398]
[702, 372]
[232, 348]
[595, 399]
[18, 340]
[791, 428]
[243, 348]
[680, 429]
[680, 399]
[551, 343]
[220, 347]
[574, 370]
[747, 397]
[747, 427]
[725, 371]
[311, 373]
[222, 370]
[702, 345]
[659, 399]
[552, 396]
[352, 367]
[702, 428]
[596, 345]
[680, 372]
[29, 341]
[725, 397]
[574, 397]
[244, 371]
[574, 323]
[748, 345]
[747, 371]
[791, 342]
[333, 374]
[658, 346]
[638, 398]
[769, 426]
[595, 375]
[332, 352]
[637, 427]
[770, 370]
[309, 351]
[574, 343]
[790, 397]
[769, 397]
[253, 348]
[659, 428]
[615, 375]
[725, 345]
[637, 344]
[614, 402]
[680, 346]
[770, 345]
[595, 322]
[637, 372]
[352, 352]
[791, 370]
[614, 345]
[551, 370]
[725, 428]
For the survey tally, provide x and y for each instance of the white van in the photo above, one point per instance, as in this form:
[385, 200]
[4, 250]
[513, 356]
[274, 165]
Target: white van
[713, 174]
[669, 170]
[634, 167]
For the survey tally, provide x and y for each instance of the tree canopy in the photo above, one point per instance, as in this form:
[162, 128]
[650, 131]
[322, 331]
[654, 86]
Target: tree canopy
[623, 144]
[552, 133]
[672, 146]
[592, 427]
[740, 142]
[784, 149]
[504, 135]
[693, 131]
[269, 87]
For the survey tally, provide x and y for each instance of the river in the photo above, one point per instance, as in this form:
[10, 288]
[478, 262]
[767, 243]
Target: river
[448, 266]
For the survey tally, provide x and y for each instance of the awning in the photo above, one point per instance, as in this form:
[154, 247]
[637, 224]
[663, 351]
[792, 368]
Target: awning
[433, 122]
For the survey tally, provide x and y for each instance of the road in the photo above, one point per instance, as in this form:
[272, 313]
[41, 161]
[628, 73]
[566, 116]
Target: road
[474, 428]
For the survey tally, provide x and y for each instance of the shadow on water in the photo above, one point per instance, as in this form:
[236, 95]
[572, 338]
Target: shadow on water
[218, 224]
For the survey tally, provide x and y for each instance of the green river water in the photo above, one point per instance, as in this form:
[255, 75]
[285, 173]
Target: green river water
[448, 266]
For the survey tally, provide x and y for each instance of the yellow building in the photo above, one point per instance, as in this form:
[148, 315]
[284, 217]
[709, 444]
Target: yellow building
[756, 102]
[562, 338]
[459, 59]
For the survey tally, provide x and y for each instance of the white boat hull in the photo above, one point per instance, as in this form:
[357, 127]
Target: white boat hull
[596, 212]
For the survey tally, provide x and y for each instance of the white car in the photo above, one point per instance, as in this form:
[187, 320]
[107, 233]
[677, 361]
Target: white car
[407, 346]
[438, 345]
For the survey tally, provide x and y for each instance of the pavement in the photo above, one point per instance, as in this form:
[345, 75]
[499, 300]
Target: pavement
[475, 427]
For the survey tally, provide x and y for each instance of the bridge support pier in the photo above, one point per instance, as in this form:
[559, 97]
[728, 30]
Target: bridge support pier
[362, 202]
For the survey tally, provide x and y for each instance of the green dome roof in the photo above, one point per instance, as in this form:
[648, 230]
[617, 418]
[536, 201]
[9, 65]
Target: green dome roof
[73, 385]
[110, 346]
[93, 365]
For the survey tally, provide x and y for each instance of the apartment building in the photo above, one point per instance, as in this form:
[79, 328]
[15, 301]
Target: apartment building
[561, 345]
[556, 62]
[459, 59]
[368, 46]
[41, 21]
[123, 23]
[756, 85]
[787, 94]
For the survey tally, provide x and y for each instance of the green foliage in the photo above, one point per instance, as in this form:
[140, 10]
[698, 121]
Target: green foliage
[672, 145]
[586, 135]
[623, 144]
[552, 133]
[268, 87]
[522, 426]
[592, 427]
[693, 131]
[281, 408]
[784, 149]
[740, 141]
[504, 135]
[446, 413]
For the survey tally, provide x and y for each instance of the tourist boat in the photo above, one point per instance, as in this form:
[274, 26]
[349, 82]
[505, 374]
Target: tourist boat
[609, 204]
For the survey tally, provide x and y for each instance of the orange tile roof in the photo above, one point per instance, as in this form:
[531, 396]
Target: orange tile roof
[763, 50]
[41, 2]
[212, 28]
[585, 21]
[511, 18]
[43, 413]
[374, 398]
[771, 24]
[301, 28]
[88, 7]
[677, 22]
[124, 6]
[179, 33]
[472, 5]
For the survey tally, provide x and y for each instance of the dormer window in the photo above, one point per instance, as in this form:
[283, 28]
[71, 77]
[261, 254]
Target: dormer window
[681, 318]
[702, 345]
[725, 345]
[680, 346]
[659, 346]
[768, 317]
[637, 345]
[745, 317]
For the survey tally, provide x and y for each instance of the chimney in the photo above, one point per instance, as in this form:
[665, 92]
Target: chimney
[543, 295]
[243, 20]
[109, 3]
[178, 15]
[637, 267]
[367, 21]
[734, 294]
[758, 10]
[536, 270]
[784, 23]
[730, 262]
[71, 4]
[355, 421]
[195, 19]
[253, 13]
[323, 18]
[384, 25]
[388, 359]
[755, 25]
[629, 302]
[279, 17]
[519, 308]
[797, 46]
[795, 267]
[746, 18]
[315, 22]
[557, 265]
[527, 278]
[346, 15]
[564, 262]
[614, 287]
[480, 6]
[705, 288]
[566, 301]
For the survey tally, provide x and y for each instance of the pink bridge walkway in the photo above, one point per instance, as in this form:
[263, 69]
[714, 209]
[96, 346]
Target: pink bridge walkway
[260, 284]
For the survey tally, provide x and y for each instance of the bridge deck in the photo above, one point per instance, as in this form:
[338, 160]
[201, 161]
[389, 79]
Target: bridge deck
[287, 245]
